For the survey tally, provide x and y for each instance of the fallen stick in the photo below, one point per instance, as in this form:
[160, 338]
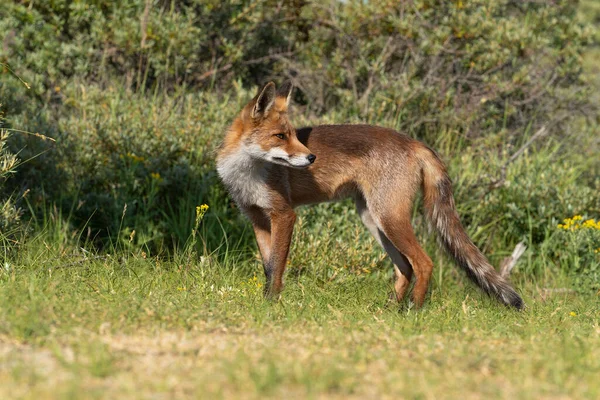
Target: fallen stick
[509, 263]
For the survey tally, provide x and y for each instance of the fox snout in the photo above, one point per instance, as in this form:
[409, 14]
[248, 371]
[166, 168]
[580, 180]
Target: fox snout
[298, 160]
[298, 163]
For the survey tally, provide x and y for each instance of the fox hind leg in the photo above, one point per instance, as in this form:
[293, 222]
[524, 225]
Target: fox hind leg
[400, 232]
[402, 269]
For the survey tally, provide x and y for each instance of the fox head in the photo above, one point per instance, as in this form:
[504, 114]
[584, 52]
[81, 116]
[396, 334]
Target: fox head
[266, 132]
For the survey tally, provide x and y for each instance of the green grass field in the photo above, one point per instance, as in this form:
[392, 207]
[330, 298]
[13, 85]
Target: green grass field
[75, 325]
[113, 287]
[140, 321]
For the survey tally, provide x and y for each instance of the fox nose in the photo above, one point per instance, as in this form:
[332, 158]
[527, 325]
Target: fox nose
[311, 158]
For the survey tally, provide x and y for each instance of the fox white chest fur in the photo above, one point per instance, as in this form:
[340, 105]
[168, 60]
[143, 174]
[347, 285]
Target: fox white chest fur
[245, 177]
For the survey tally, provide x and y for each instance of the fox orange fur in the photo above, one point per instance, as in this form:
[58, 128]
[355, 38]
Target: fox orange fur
[270, 168]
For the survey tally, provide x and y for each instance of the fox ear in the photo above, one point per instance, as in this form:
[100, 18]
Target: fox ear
[264, 101]
[285, 92]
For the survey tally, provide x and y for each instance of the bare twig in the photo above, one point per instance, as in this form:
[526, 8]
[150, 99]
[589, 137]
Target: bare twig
[509, 263]
[80, 261]
[547, 292]
[214, 71]
[558, 290]
[6, 66]
[498, 183]
[258, 60]
[144, 23]
[379, 64]
[39, 135]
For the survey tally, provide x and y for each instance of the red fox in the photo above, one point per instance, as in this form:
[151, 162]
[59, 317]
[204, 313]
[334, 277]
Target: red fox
[269, 168]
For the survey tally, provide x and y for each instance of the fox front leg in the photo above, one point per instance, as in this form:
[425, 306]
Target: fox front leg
[261, 223]
[282, 227]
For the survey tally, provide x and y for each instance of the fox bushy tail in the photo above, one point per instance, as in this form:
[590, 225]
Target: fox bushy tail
[442, 215]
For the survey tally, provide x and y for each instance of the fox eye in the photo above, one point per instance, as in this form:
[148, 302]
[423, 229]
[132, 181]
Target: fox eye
[280, 135]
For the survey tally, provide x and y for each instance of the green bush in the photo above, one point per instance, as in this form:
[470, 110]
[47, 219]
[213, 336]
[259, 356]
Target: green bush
[124, 161]
[9, 214]
[155, 155]
[539, 188]
[138, 95]
[167, 43]
[575, 248]
[430, 68]
[466, 68]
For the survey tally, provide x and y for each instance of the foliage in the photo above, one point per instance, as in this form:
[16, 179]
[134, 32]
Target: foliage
[124, 162]
[9, 214]
[539, 187]
[148, 42]
[466, 68]
[138, 95]
[155, 155]
[458, 68]
[576, 248]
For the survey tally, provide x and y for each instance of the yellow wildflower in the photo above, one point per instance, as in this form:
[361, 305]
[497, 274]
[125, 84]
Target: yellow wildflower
[200, 211]
[135, 158]
[577, 223]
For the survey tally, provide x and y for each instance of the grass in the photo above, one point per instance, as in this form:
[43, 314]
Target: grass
[126, 323]
[131, 322]
[136, 321]
[130, 325]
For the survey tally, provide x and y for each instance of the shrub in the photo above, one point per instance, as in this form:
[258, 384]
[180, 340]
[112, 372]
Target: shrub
[576, 250]
[539, 187]
[124, 161]
[9, 214]
[138, 94]
[463, 68]
[170, 43]
[466, 68]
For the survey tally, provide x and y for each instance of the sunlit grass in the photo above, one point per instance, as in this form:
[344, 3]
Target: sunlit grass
[132, 325]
